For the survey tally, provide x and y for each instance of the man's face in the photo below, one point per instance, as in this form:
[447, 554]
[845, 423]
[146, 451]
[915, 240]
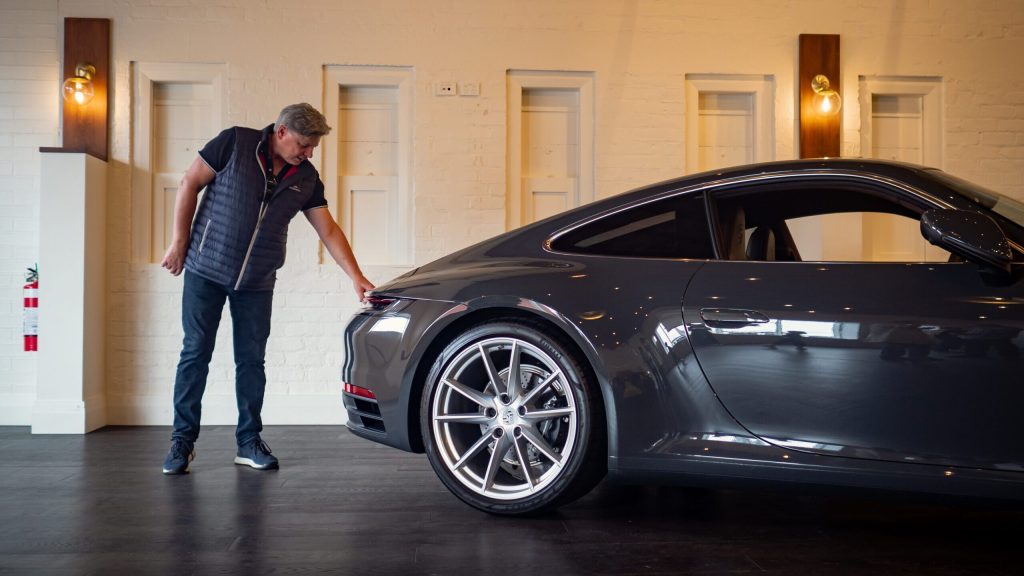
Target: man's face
[294, 148]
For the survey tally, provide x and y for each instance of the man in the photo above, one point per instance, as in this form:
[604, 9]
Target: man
[230, 249]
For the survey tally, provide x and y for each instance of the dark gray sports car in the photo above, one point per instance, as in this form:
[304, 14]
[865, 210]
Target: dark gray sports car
[685, 332]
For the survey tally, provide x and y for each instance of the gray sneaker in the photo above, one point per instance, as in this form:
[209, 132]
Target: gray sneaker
[178, 457]
[256, 454]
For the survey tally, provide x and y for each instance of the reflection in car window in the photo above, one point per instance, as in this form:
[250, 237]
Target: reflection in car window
[823, 222]
[864, 237]
[675, 227]
[1005, 206]
[630, 228]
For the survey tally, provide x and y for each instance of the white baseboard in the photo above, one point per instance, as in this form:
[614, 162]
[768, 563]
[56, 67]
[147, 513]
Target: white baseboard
[59, 416]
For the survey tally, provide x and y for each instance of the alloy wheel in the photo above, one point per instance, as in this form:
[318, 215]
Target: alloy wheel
[504, 418]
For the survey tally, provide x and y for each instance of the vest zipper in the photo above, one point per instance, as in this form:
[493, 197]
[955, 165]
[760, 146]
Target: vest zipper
[206, 229]
[259, 220]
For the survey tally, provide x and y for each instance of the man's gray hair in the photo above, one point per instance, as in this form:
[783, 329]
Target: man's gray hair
[304, 120]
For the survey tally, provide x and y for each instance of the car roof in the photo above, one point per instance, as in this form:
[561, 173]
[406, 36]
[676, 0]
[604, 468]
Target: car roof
[532, 236]
[867, 165]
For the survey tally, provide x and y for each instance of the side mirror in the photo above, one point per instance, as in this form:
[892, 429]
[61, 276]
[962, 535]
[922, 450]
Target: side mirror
[972, 235]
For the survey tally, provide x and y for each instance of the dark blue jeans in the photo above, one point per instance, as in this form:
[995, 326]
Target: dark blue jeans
[202, 304]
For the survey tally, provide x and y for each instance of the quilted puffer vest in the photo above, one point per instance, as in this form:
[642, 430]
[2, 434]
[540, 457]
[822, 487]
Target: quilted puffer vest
[239, 240]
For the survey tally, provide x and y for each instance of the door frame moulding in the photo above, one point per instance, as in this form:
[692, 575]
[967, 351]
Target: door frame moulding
[929, 88]
[517, 82]
[403, 79]
[760, 86]
[145, 75]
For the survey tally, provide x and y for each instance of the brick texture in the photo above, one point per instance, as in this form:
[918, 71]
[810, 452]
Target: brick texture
[28, 120]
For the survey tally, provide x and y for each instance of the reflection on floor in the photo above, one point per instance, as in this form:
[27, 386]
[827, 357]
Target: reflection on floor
[98, 504]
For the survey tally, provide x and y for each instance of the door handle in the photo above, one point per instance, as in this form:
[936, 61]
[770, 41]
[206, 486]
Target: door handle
[731, 317]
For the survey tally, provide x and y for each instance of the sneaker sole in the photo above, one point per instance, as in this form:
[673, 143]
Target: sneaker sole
[175, 472]
[248, 462]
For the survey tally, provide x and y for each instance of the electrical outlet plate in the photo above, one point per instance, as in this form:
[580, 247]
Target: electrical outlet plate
[444, 89]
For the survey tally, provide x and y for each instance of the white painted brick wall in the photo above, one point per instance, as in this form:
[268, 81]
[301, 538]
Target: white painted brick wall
[28, 120]
[640, 53]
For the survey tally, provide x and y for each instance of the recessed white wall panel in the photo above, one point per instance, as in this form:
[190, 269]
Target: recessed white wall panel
[370, 226]
[897, 128]
[550, 124]
[550, 143]
[726, 129]
[549, 196]
[730, 120]
[368, 160]
[177, 109]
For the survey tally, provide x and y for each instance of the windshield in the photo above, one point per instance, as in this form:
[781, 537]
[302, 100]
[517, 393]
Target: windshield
[1005, 206]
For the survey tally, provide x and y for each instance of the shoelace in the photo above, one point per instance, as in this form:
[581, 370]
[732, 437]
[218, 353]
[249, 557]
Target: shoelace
[261, 446]
[180, 449]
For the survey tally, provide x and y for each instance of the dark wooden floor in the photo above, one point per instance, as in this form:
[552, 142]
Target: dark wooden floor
[98, 504]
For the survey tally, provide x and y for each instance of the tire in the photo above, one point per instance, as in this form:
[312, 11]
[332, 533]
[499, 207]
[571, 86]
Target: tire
[513, 450]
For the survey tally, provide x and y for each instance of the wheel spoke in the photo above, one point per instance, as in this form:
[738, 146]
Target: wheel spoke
[542, 445]
[513, 371]
[540, 387]
[475, 449]
[494, 379]
[524, 462]
[479, 397]
[534, 416]
[494, 464]
[470, 418]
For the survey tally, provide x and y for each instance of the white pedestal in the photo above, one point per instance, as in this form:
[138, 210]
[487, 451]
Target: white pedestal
[70, 391]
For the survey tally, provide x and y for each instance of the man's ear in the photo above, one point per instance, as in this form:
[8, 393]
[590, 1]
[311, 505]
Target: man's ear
[281, 130]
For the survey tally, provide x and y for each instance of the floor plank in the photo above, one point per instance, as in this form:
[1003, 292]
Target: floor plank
[98, 504]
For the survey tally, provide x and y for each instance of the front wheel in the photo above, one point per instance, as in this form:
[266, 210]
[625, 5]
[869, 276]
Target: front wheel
[510, 421]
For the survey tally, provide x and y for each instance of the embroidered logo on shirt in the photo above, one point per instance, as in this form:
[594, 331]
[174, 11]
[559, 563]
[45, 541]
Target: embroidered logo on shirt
[296, 188]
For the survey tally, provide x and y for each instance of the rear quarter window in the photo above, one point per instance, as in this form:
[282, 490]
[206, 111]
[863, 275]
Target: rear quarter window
[674, 227]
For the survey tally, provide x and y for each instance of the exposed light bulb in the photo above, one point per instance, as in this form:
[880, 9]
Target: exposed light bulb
[827, 101]
[79, 88]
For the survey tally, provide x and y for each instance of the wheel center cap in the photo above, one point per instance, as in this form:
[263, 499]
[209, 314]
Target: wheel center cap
[508, 417]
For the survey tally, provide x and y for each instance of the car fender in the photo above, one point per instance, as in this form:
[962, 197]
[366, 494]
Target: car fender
[461, 315]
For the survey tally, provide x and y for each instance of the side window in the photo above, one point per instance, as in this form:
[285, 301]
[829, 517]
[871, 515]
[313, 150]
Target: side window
[864, 237]
[829, 223]
[671, 228]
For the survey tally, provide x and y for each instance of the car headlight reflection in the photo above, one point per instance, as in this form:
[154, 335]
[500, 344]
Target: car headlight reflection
[394, 324]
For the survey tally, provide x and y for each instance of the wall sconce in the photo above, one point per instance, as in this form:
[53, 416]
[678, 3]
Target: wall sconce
[827, 101]
[78, 88]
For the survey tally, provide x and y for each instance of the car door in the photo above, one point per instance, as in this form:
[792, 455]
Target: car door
[908, 362]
